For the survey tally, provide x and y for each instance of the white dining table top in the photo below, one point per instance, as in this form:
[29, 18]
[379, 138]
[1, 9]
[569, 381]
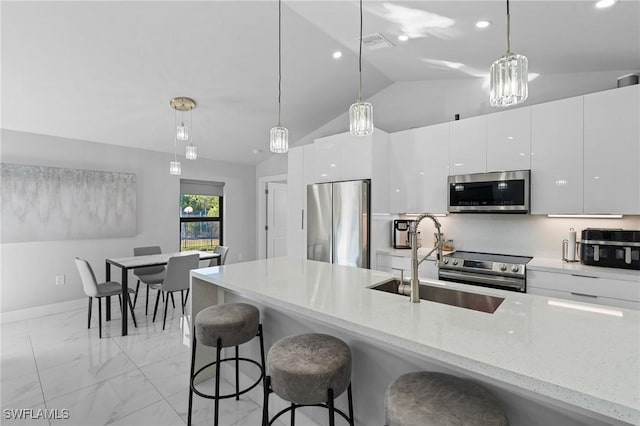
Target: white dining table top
[156, 259]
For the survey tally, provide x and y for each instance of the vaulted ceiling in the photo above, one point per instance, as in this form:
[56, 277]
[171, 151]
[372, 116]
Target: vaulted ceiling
[105, 71]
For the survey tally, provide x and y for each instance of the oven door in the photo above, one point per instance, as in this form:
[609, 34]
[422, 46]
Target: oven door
[494, 281]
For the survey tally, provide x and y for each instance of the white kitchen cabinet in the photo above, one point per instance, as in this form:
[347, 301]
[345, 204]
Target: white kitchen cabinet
[468, 146]
[380, 174]
[612, 151]
[402, 179]
[329, 158]
[296, 199]
[583, 287]
[509, 140]
[344, 157]
[556, 157]
[431, 153]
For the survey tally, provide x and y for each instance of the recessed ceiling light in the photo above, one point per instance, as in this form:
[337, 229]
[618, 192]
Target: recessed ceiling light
[605, 3]
[337, 54]
[483, 24]
[403, 37]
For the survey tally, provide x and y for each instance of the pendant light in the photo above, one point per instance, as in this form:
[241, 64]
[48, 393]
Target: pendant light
[508, 76]
[279, 136]
[174, 166]
[360, 113]
[182, 104]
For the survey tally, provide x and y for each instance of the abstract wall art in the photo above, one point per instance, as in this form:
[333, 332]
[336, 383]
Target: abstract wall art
[42, 203]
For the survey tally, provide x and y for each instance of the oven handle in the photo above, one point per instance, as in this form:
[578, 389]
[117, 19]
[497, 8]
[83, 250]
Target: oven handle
[480, 278]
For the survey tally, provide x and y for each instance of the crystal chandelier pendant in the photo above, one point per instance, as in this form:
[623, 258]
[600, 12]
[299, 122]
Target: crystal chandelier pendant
[279, 141]
[361, 119]
[192, 152]
[509, 78]
[174, 168]
[182, 132]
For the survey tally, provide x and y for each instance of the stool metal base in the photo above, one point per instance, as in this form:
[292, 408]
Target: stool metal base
[217, 397]
[328, 405]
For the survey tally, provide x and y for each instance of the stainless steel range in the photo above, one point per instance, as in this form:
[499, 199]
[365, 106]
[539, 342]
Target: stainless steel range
[485, 269]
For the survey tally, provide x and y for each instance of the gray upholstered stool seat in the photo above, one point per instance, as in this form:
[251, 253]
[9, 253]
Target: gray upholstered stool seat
[430, 399]
[233, 323]
[309, 369]
[224, 326]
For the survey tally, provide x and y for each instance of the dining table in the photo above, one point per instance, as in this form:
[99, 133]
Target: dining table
[131, 262]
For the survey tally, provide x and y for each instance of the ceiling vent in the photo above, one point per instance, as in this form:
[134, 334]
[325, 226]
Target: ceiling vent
[375, 41]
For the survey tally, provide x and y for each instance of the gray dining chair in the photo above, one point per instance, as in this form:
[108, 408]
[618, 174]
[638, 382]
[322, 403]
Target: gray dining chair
[93, 289]
[222, 251]
[152, 276]
[176, 279]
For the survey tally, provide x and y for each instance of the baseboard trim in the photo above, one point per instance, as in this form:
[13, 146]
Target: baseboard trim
[39, 311]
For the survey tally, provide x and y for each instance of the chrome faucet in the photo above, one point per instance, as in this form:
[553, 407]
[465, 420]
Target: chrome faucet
[413, 239]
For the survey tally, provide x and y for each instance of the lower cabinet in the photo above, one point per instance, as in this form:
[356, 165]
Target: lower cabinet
[584, 288]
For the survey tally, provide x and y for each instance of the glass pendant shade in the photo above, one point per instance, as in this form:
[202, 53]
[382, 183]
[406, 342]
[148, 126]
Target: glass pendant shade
[509, 80]
[182, 132]
[279, 141]
[361, 119]
[174, 168]
[192, 152]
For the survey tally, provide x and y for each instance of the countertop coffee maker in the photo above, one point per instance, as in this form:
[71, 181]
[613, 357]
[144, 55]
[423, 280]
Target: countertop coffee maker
[400, 234]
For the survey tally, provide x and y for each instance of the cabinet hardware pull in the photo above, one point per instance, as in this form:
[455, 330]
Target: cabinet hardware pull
[302, 219]
[583, 276]
[585, 295]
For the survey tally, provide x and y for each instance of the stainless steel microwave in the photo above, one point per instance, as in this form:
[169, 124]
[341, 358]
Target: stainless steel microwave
[495, 192]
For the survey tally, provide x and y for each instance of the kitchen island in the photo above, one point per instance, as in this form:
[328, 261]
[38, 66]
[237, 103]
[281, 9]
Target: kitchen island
[541, 357]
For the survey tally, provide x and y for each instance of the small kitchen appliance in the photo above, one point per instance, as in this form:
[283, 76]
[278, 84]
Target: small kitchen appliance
[501, 271]
[401, 233]
[613, 248]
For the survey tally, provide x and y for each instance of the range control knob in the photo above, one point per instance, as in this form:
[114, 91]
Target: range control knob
[515, 268]
[445, 261]
[503, 267]
[455, 262]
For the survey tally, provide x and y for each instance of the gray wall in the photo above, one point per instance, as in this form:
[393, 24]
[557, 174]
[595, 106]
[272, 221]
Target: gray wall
[28, 270]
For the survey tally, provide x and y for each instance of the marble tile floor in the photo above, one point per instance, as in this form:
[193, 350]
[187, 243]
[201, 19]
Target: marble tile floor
[56, 367]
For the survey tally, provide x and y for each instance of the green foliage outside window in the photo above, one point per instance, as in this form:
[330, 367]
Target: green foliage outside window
[199, 205]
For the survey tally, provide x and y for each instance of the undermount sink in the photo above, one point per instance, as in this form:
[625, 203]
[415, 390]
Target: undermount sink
[461, 299]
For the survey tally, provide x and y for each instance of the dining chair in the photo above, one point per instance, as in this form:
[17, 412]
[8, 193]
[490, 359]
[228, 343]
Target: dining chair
[152, 276]
[176, 279]
[222, 251]
[93, 289]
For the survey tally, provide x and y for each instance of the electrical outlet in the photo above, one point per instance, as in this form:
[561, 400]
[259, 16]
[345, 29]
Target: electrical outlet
[60, 279]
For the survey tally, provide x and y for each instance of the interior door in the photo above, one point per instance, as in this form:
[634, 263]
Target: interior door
[276, 219]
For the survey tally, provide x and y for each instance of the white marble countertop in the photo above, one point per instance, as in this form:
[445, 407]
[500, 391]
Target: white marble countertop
[407, 252]
[560, 266]
[581, 358]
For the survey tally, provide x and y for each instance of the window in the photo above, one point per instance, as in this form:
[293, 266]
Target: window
[201, 215]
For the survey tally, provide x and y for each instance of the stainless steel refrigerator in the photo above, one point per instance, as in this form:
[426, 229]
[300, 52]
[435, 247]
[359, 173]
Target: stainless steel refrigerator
[338, 222]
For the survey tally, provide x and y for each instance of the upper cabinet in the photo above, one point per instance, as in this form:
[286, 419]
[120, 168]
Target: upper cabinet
[402, 179]
[509, 140]
[556, 157]
[468, 146]
[432, 168]
[344, 157]
[612, 151]
[419, 166]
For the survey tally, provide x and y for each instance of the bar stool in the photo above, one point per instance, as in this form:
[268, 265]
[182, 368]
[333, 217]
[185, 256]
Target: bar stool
[308, 370]
[429, 399]
[223, 326]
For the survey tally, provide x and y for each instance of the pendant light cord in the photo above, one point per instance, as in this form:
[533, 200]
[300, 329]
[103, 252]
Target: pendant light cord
[360, 58]
[279, 58]
[508, 29]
